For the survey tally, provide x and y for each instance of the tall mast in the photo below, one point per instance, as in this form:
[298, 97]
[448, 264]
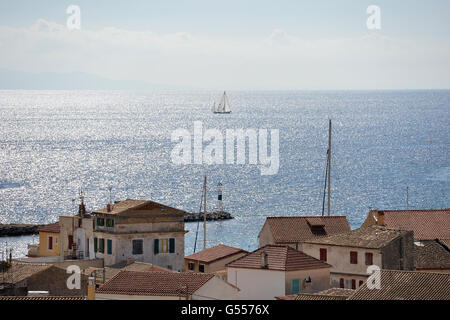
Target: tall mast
[204, 214]
[329, 168]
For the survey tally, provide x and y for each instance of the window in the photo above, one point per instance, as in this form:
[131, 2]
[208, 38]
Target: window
[323, 254]
[70, 241]
[156, 246]
[201, 268]
[109, 246]
[353, 257]
[191, 266]
[164, 245]
[102, 245]
[353, 284]
[295, 286]
[172, 245]
[95, 244]
[369, 258]
[138, 246]
[100, 221]
[110, 223]
[50, 243]
[341, 283]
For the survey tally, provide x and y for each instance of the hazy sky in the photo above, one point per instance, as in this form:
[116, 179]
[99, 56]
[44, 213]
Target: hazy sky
[284, 44]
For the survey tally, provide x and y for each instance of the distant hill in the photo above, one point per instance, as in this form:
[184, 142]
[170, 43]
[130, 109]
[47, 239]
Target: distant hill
[69, 81]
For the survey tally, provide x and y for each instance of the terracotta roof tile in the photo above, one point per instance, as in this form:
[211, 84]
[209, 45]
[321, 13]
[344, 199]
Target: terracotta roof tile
[214, 253]
[426, 224]
[431, 254]
[278, 258]
[297, 229]
[52, 227]
[120, 207]
[407, 285]
[373, 237]
[40, 298]
[20, 271]
[154, 283]
[329, 294]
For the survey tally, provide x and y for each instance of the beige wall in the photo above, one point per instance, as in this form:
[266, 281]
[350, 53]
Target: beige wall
[214, 266]
[339, 258]
[265, 236]
[44, 251]
[320, 280]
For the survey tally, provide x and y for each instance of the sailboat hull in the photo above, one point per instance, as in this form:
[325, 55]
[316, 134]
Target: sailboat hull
[226, 112]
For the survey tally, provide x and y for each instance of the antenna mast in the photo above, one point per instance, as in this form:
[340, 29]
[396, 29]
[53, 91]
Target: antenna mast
[204, 214]
[329, 168]
[219, 197]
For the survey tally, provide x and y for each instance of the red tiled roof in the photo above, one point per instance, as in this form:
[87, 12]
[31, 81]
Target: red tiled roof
[426, 224]
[297, 229]
[282, 258]
[121, 207]
[52, 227]
[215, 253]
[154, 283]
[407, 285]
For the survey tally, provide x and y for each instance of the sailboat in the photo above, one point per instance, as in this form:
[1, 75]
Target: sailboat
[224, 105]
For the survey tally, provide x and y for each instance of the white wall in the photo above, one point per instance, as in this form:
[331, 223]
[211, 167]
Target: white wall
[257, 284]
[339, 258]
[216, 288]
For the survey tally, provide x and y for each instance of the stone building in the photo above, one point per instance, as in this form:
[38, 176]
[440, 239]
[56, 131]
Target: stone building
[140, 230]
[351, 253]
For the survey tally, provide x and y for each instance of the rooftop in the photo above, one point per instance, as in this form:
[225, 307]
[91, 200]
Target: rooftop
[121, 207]
[426, 224]
[123, 266]
[407, 285]
[431, 254]
[52, 227]
[154, 283]
[329, 294]
[20, 271]
[297, 229]
[372, 237]
[214, 253]
[279, 257]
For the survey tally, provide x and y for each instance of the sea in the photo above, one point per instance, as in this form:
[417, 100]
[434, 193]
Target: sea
[390, 150]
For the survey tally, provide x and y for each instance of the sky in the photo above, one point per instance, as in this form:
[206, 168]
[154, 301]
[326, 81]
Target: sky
[234, 45]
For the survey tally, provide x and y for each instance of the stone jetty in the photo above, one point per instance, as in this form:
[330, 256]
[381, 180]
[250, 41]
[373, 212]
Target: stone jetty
[9, 230]
[210, 216]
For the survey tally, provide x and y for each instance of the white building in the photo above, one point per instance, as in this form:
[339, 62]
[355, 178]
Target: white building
[276, 270]
[140, 230]
[351, 253]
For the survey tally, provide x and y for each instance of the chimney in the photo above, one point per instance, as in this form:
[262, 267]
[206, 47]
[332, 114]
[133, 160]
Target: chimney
[264, 263]
[380, 218]
[91, 288]
[108, 207]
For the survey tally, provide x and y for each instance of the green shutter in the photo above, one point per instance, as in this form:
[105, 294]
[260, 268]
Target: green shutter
[109, 246]
[95, 244]
[171, 245]
[156, 246]
[102, 245]
[295, 286]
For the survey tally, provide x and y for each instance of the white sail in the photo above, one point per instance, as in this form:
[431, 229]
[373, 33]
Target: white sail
[224, 105]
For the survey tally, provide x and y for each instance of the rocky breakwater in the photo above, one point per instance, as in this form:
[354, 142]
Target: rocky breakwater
[210, 216]
[10, 230]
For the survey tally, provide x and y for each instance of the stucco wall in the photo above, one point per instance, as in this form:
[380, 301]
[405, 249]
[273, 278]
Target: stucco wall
[122, 249]
[216, 288]
[265, 236]
[257, 284]
[44, 251]
[339, 258]
[320, 280]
